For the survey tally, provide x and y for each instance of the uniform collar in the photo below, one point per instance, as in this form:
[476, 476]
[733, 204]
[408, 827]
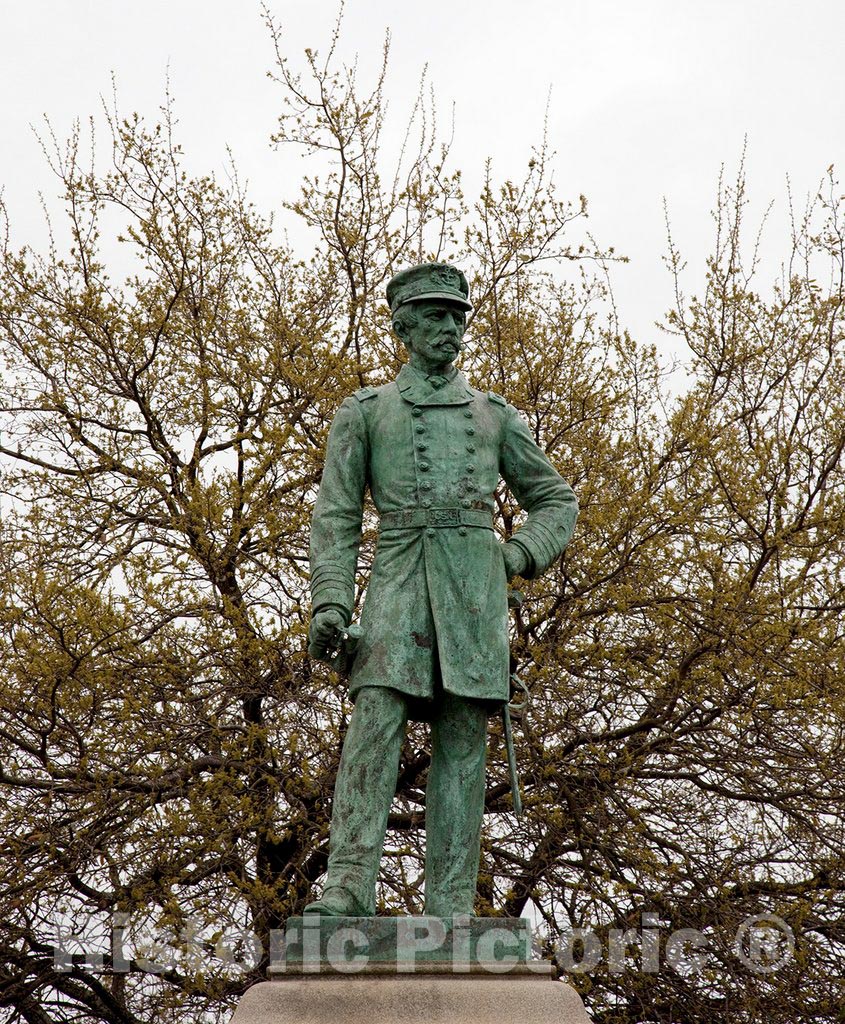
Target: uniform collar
[416, 389]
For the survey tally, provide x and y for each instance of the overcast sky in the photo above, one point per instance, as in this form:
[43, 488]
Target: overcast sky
[648, 98]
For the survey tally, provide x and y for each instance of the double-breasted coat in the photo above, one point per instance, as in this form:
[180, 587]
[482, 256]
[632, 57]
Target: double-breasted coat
[432, 456]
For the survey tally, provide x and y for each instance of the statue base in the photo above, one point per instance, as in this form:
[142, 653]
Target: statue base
[409, 970]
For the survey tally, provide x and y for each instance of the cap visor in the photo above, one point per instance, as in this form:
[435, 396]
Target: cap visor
[450, 297]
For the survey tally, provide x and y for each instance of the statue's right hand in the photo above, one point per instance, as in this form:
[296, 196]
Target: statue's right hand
[324, 633]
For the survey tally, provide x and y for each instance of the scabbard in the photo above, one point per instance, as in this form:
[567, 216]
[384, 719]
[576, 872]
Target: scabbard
[508, 730]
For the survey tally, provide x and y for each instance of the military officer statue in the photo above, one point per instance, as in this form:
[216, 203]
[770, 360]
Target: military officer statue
[431, 448]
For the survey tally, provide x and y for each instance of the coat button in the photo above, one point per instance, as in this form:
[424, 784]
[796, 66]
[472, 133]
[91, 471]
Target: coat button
[416, 412]
[468, 413]
[420, 429]
[429, 533]
[425, 485]
[463, 531]
[470, 468]
[470, 447]
[421, 447]
[466, 503]
[424, 467]
[470, 431]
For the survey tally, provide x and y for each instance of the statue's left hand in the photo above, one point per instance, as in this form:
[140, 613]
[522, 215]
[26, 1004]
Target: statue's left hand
[516, 561]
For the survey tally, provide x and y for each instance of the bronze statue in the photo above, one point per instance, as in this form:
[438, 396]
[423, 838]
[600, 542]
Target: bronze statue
[434, 630]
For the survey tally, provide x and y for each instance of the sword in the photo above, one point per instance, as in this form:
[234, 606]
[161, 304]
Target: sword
[515, 794]
[514, 601]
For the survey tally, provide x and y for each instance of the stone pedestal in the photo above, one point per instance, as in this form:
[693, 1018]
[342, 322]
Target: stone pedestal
[408, 970]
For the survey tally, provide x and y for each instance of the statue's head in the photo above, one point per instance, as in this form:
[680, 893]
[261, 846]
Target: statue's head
[428, 304]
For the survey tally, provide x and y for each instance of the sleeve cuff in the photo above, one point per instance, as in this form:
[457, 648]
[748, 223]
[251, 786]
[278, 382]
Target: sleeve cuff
[334, 595]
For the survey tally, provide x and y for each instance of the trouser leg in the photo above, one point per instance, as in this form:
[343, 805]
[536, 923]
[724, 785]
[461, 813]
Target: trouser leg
[454, 806]
[365, 786]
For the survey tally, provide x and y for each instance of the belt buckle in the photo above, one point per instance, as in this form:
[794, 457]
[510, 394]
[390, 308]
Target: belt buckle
[445, 517]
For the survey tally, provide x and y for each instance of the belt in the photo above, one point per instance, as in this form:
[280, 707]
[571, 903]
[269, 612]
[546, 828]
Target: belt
[437, 517]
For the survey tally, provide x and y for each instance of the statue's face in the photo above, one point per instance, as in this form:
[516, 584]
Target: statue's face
[435, 339]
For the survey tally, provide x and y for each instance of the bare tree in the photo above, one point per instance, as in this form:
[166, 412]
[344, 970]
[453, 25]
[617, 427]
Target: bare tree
[168, 750]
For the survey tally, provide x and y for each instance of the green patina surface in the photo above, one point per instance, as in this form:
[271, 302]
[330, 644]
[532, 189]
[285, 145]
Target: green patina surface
[437, 596]
[431, 449]
[339, 940]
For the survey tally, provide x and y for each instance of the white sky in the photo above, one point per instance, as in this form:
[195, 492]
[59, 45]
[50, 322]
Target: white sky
[648, 98]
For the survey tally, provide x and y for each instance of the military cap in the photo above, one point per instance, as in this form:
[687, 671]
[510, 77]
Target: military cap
[428, 281]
